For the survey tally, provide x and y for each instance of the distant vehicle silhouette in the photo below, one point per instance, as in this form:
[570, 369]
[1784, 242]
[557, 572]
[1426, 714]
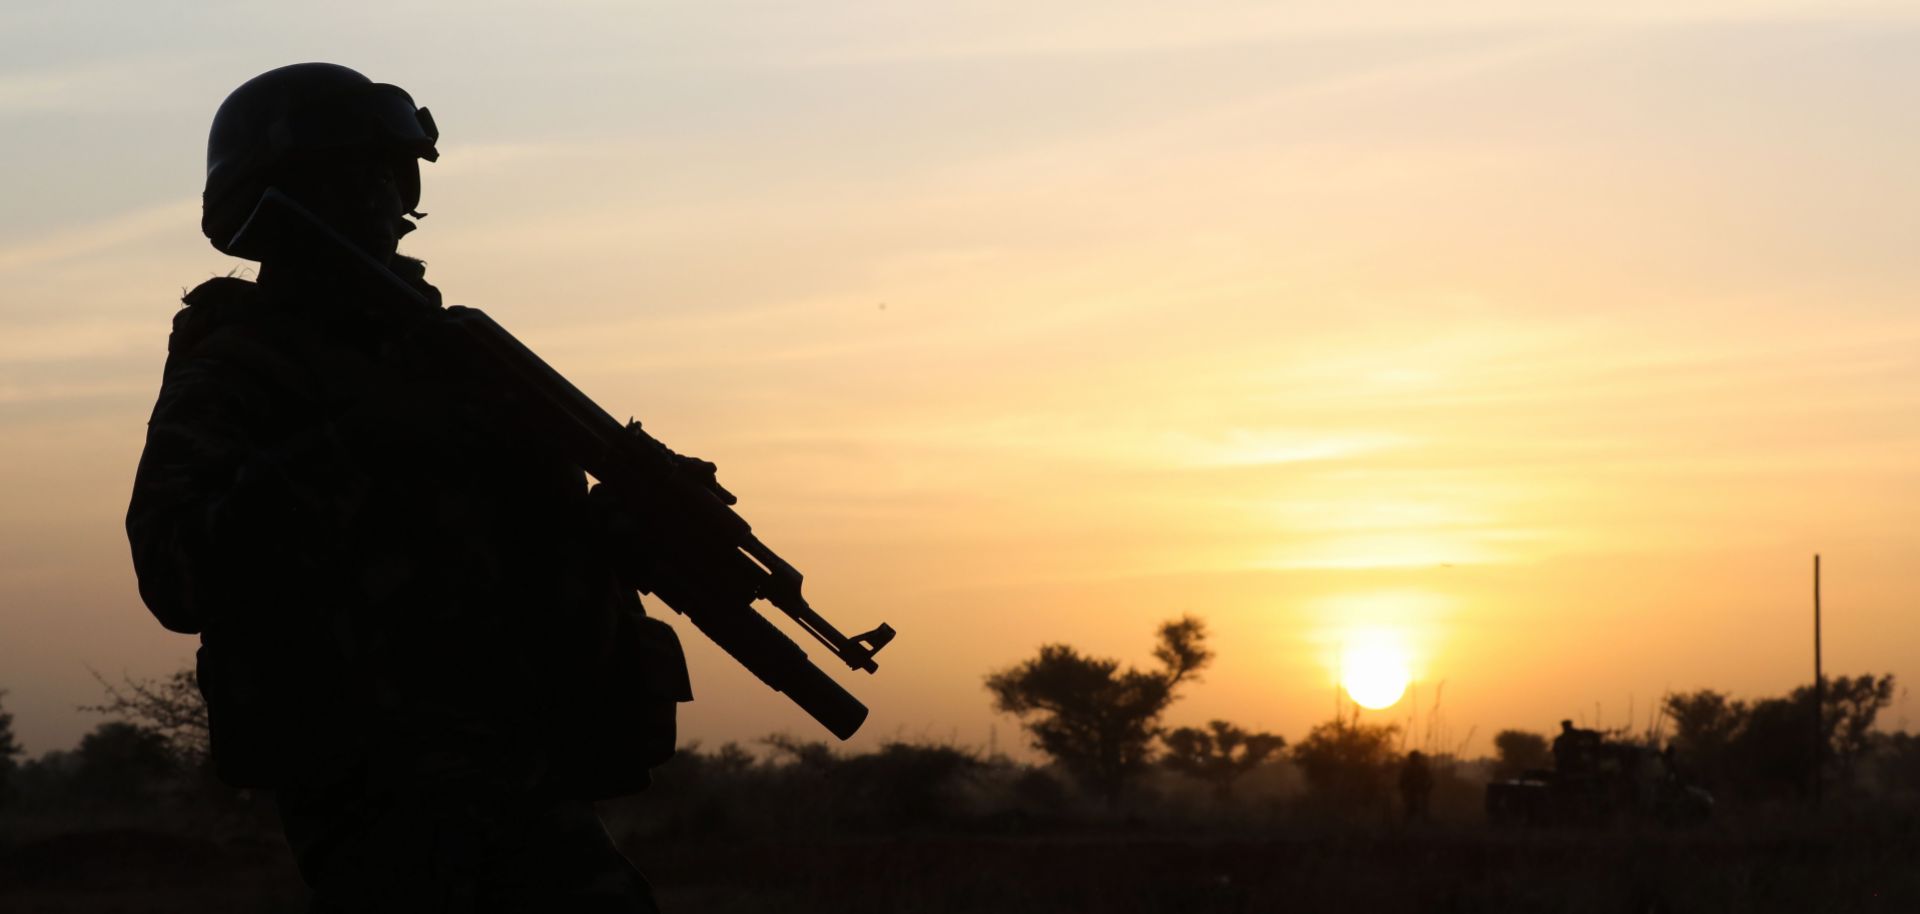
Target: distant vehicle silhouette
[1594, 781]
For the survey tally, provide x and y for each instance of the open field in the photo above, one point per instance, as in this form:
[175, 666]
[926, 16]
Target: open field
[1767, 867]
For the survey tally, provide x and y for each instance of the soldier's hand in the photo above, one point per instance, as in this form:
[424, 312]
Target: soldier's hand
[626, 538]
[703, 473]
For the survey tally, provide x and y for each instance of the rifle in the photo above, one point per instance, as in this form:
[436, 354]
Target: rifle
[706, 563]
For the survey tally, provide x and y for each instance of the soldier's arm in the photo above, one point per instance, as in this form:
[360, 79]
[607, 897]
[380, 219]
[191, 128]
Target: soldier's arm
[213, 493]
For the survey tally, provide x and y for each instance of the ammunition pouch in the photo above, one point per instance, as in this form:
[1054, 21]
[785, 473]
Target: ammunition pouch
[620, 721]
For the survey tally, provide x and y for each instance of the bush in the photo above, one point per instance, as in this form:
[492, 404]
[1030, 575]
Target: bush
[1348, 762]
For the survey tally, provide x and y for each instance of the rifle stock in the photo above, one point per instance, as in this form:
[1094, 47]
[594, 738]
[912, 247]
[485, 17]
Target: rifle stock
[707, 563]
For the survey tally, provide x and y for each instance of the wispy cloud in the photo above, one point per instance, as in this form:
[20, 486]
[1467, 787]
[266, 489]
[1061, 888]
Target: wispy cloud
[1238, 447]
[886, 34]
[67, 341]
[133, 82]
[85, 240]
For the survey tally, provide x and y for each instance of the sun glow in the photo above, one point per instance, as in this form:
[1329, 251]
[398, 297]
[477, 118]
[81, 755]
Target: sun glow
[1375, 642]
[1374, 671]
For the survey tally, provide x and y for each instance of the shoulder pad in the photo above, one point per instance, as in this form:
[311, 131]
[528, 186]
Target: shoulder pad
[223, 320]
[210, 305]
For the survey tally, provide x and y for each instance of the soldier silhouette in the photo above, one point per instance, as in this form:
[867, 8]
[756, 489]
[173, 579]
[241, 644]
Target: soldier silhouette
[413, 626]
[1416, 787]
[1575, 750]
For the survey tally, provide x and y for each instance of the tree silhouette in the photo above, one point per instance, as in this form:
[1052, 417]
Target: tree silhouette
[730, 759]
[1094, 718]
[905, 786]
[171, 707]
[1769, 746]
[46, 782]
[1219, 754]
[805, 753]
[122, 764]
[10, 748]
[1851, 707]
[1347, 761]
[1518, 751]
[1897, 760]
[1704, 725]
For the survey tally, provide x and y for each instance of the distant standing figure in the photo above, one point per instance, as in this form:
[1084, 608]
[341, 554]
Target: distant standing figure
[1416, 786]
[1574, 749]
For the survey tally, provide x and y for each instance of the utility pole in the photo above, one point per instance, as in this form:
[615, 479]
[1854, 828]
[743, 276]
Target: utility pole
[1819, 691]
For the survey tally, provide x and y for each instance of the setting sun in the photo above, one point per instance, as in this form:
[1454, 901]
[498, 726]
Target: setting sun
[1374, 673]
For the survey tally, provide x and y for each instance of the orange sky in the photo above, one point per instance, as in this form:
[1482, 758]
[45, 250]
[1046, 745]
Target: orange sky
[1554, 343]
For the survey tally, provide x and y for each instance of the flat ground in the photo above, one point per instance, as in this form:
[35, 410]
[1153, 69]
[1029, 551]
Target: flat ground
[1443, 868]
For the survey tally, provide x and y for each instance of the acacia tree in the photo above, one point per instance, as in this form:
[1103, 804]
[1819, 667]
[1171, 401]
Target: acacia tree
[171, 707]
[170, 713]
[1848, 713]
[1094, 718]
[1768, 746]
[122, 764]
[1704, 726]
[1219, 754]
[9, 749]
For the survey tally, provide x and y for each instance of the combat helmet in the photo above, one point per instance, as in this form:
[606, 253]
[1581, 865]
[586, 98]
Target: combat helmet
[283, 117]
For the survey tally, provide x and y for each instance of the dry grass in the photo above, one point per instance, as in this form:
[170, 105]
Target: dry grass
[1862, 862]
